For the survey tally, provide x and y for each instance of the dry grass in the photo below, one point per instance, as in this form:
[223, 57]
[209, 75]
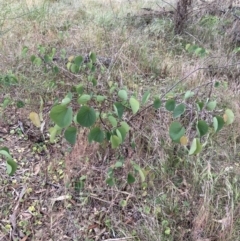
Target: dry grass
[63, 188]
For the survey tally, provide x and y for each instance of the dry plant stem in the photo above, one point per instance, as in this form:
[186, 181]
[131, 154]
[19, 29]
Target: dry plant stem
[168, 4]
[13, 217]
[94, 196]
[105, 125]
[193, 37]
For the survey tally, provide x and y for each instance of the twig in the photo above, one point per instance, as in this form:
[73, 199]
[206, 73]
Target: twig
[104, 124]
[193, 37]
[168, 4]
[13, 217]
[94, 196]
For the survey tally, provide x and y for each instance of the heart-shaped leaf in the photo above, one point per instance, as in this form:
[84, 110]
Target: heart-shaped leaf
[188, 94]
[130, 178]
[157, 103]
[61, 115]
[83, 99]
[179, 110]
[112, 120]
[134, 105]
[123, 94]
[176, 131]
[110, 181]
[119, 109]
[202, 128]
[86, 116]
[115, 141]
[96, 134]
[78, 60]
[211, 105]
[70, 135]
[218, 123]
[170, 104]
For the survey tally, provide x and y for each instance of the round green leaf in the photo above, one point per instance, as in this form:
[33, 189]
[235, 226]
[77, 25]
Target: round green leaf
[123, 203]
[112, 120]
[78, 60]
[170, 105]
[100, 98]
[118, 164]
[67, 99]
[37, 61]
[211, 105]
[83, 99]
[125, 126]
[134, 105]
[188, 94]
[96, 134]
[167, 231]
[11, 167]
[230, 116]
[86, 116]
[115, 141]
[179, 110]
[6, 101]
[110, 181]
[47, 58]
[176, 131]
[123, 94]
[130, 178]
[157, 103]
[202, 128]
[218, 123]
[70, 135]
[61, 115]
[32, 58]
[80, 89]
[20, 104]
[74, 68]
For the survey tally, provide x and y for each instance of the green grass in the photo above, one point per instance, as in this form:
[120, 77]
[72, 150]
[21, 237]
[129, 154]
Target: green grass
[184, 197]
